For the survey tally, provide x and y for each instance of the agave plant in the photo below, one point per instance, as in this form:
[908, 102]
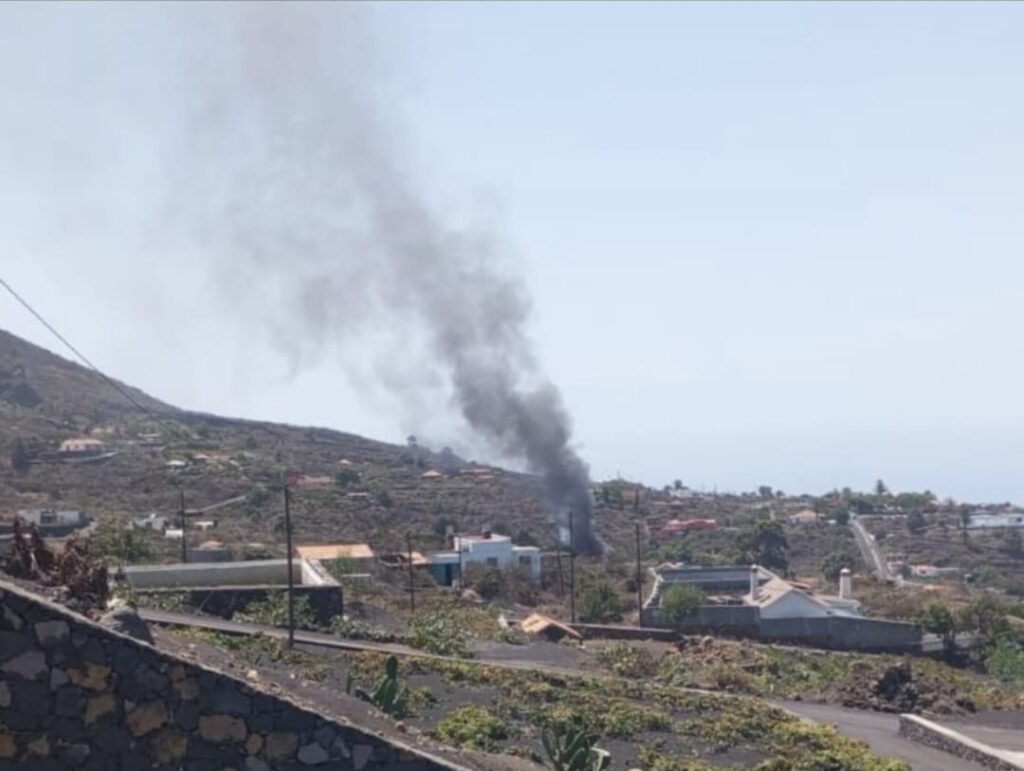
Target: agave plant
[574, 748]
[390, 697]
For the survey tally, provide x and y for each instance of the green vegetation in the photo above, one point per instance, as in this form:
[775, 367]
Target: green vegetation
[119, 544]
[390, 696]
[764, 543]
[834, 563]
[273, 611]
[574, 748]
[345, 477]
[1006, 663]
[354, 629]
[599, 600]
[440, 633]
[938, 619]
[680, 601]
[473, 728]
[627, 660]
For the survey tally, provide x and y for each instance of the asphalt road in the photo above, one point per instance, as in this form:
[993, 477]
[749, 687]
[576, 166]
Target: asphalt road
[870, 551]
[879, 730]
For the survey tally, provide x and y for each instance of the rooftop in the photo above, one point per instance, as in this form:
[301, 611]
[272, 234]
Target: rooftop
[333, 551]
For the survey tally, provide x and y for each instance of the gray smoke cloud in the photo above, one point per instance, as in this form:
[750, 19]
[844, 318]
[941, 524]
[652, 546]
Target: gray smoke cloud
[289, 169]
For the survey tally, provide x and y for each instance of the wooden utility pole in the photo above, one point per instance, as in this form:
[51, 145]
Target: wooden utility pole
[184, 544]
[561, 575]
[412, 583]
[639, 582]
[572, 568]
[291, 577]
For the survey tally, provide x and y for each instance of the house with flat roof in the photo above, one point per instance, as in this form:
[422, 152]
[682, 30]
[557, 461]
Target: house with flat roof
[488, 549]
[85, 445]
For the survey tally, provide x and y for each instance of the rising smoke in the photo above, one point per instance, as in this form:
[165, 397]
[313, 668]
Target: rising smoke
[289, 170]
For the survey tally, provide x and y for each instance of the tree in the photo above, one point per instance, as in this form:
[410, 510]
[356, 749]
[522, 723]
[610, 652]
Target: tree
[599, 601]
[680, 601]
[384, 499]
[939, 619]
[841, 517]
[345, 476]
[880, 488]
[1006, 663]
[834, 563]
[916, 523]
[764, 543]
[677, 484]
[765, 491]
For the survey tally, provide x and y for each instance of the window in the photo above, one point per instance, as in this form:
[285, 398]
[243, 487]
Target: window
[492, 561]
[525, 561]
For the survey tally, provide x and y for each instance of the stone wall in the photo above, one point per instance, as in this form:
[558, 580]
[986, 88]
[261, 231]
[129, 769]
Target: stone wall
[75, 695]
[941, 738]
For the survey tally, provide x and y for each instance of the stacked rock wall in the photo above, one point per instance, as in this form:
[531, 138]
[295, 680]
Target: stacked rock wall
[75, 695]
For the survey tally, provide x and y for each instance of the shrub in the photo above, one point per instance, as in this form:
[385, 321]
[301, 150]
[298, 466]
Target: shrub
[680, 601]
[1006, 663]
[628, 660]
[345, 477]
[473, 728]
[119, 544]
[484, 579]
[354, 629]
[441, 634]
[273, 611]
[599, 601]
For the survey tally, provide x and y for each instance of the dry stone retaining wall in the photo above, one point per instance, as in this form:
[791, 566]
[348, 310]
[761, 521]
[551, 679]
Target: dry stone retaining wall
[75, 695]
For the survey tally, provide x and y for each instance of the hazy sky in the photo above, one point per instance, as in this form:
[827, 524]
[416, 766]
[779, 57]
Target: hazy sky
[766, 243]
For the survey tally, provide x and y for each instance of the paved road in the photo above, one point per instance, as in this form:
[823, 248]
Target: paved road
[869, 550]
[879, 730]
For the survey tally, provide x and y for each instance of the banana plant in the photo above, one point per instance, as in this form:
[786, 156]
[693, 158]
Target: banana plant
[573, 748]
[390, 697]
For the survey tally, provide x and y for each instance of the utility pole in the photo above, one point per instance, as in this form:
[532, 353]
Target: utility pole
[184, 545]
[572, 567]
[639, 582]
[291, 577]
[561, 575]
[412, 583]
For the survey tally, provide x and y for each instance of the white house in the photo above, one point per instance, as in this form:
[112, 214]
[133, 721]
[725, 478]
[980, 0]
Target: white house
[52, 517]
[778, 598]
[987, 521]
[82, 446]
[150, 522]
[488, 549]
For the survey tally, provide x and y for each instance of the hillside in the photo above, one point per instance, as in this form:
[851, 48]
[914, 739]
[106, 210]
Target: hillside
[379, 496]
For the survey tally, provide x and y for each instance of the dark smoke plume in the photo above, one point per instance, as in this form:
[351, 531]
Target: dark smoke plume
[294, 179]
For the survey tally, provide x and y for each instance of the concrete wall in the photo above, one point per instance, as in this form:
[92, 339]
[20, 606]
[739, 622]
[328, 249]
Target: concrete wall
[739, 620]
[75, 695]
[250, 573]
[934, 735]
[843, 633]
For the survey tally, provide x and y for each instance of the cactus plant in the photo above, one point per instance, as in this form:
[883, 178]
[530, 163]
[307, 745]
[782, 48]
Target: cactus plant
[574, 748]
[390, 697]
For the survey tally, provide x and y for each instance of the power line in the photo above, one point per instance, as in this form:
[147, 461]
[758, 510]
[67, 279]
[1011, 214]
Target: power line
[83, 358]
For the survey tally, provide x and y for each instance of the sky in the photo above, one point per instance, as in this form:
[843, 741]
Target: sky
[764, 243]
